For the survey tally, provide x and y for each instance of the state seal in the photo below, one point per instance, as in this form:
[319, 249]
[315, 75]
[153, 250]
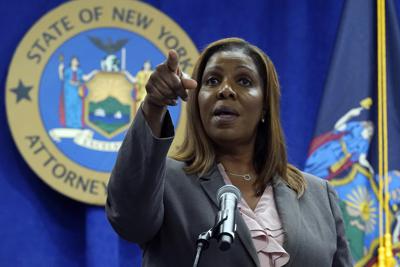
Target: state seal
[76, 82]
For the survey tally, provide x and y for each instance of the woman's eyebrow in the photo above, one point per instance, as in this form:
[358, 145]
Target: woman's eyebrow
[245, 67]
[213, 68]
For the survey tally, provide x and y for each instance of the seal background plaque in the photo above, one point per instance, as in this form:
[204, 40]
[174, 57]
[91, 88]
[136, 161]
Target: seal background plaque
[76, 157]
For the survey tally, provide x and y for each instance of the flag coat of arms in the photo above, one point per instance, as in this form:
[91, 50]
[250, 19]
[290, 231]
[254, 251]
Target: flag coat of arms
[345, 146]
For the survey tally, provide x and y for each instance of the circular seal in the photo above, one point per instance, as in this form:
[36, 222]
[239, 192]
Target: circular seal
[75, 83]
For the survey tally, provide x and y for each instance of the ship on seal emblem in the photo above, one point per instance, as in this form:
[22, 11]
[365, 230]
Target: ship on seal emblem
[76, 84]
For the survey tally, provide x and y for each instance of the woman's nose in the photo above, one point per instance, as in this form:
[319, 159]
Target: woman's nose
[226, 91]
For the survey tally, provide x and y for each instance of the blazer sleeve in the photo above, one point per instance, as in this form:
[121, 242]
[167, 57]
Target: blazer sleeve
[342, 255]
[134, 204]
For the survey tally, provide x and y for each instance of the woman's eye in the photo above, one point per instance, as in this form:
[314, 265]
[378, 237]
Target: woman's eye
[212, 81]
[244, 82]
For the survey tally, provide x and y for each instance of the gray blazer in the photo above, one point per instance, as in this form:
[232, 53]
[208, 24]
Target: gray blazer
[153, 202]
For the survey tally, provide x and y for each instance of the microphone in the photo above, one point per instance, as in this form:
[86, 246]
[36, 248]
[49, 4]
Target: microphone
[228, 197]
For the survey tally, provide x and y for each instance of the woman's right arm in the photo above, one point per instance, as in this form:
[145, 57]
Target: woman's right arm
[135, 191]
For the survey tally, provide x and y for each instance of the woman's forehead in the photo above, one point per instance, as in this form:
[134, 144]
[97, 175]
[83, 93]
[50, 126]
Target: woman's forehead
[237, 57]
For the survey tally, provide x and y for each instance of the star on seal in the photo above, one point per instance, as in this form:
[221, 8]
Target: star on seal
[22, 91]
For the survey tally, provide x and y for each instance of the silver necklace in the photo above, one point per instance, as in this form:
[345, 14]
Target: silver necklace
[246, 176]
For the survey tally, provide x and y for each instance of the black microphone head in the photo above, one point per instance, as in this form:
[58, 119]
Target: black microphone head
[225, 242]
[229, 189]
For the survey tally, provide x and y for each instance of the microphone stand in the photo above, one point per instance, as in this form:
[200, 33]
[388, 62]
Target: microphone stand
[204, 238]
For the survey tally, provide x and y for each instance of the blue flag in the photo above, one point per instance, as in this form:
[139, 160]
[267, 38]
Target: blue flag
[344, 149]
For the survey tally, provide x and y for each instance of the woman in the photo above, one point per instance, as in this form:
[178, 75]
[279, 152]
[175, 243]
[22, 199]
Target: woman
[73, 82]
[233, 136]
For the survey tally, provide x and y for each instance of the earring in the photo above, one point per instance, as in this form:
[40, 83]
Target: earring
[263, 116]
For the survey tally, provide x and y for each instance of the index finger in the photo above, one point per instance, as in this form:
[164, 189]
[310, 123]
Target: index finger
[172, 61]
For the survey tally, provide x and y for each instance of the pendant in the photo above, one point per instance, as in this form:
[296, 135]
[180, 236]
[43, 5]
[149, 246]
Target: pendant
[247, 177]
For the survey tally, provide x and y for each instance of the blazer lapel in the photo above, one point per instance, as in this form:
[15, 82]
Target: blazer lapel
[210, 183]
[288, 209]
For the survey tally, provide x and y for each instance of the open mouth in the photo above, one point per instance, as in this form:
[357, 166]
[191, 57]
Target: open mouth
[225, 113]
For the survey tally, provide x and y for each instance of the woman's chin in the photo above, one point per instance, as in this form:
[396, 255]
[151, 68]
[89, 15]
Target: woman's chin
[226, 136]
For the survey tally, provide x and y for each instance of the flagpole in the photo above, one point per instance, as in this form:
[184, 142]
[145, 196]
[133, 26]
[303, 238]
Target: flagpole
[381, 249]
[385, 254]
[389, 259]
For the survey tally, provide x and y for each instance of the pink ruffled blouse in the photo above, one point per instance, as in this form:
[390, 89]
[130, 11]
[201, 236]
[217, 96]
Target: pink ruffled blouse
[265, 227]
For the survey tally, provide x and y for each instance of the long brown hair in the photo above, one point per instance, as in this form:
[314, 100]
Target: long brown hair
[270, 156]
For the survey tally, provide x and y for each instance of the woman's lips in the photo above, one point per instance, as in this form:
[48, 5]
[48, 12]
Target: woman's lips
[224, 114]
[225, 118]
[224, 110]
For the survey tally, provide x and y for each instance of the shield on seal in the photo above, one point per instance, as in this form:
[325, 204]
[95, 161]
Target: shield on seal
[109, 106]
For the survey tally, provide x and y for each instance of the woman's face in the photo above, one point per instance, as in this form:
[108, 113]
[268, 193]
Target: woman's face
[74, 62]
[231, 98]
[147, 65]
